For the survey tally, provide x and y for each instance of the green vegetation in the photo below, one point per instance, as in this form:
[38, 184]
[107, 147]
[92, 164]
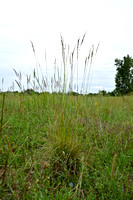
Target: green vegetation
[124, 76]
[56, 146]
[59, 144]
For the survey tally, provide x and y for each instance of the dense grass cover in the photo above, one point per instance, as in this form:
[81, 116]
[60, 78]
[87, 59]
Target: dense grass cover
[57, 146]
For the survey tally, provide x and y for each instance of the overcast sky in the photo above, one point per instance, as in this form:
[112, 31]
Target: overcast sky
[108, 22]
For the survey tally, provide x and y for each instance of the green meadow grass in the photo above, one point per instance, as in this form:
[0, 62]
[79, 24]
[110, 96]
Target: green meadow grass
[59, 146]
[56, 146]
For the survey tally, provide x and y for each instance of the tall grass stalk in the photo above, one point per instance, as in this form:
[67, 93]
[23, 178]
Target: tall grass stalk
[5, 168]
[113, 166]
[64, 63]
[8, 144]
[2, 113]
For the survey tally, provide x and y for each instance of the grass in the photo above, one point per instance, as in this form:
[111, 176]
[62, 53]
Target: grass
[52, 140]
[59, 146]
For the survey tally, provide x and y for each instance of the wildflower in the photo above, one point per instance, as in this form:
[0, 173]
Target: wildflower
[71, 184]
[37, 180]
[29, 188]
[34, 189]
[96, 104]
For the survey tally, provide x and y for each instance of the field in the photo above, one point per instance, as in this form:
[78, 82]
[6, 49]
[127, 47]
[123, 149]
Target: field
[58, 146]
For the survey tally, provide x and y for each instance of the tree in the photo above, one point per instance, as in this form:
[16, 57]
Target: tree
[124, 76]
[29, 91]
[102, 92]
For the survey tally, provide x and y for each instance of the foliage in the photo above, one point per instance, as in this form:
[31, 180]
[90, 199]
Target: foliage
[102, 92]
[29, 91]
[124, 76]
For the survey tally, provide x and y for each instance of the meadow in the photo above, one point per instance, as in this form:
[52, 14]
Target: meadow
[57, 145]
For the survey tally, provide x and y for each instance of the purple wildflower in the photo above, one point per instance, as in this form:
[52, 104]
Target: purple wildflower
[71, 184]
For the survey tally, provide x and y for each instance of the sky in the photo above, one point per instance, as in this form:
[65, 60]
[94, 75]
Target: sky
[105, 22]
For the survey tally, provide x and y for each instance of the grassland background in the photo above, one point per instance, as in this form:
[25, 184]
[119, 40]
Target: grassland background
[61, 146]
[58, 146]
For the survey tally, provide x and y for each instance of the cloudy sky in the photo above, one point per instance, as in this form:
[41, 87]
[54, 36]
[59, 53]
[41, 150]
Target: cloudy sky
[105, 22]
